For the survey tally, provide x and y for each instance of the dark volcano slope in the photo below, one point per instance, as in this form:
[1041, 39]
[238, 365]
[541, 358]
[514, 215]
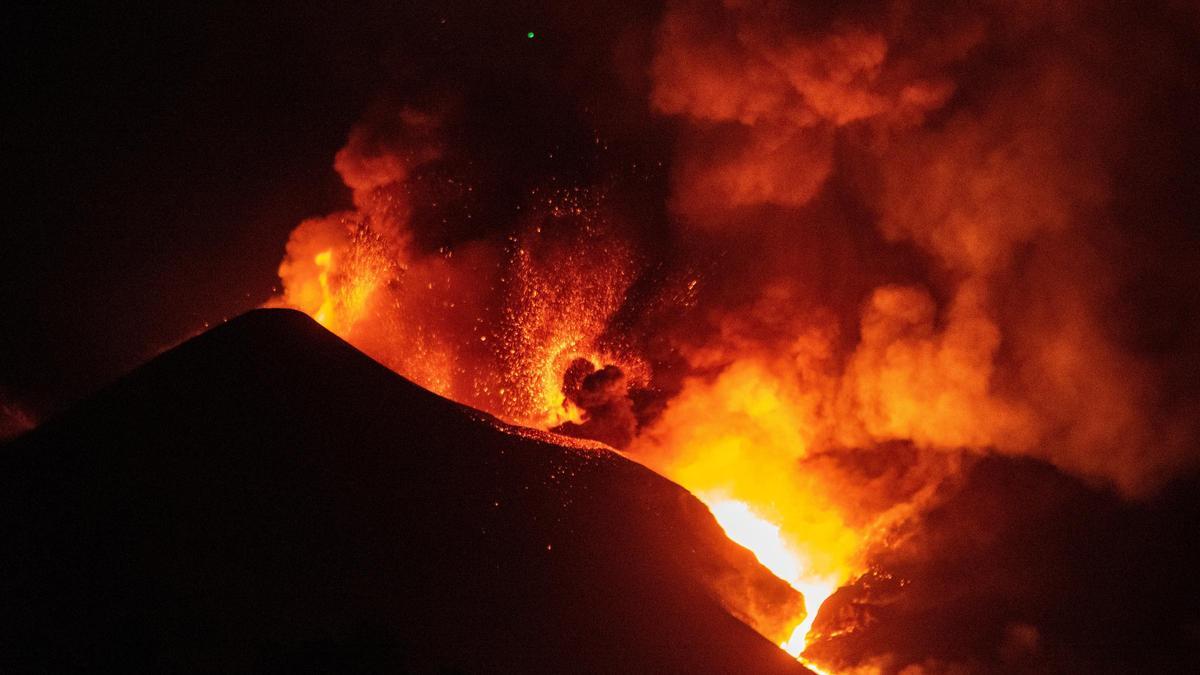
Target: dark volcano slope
[265, 497]
[1018, 568]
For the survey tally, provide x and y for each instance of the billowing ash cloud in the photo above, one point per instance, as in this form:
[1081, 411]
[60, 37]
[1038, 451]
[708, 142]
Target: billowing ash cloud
[602, 394]
[816, 258]
[988, 141]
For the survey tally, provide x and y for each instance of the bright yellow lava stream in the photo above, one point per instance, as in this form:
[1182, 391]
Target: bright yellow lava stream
[764, 539]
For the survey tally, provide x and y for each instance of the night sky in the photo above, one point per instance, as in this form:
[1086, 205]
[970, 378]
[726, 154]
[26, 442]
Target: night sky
[159, 157]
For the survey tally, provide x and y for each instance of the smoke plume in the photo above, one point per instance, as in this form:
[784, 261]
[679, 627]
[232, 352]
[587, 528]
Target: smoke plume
[830, 255]
[1000, 178]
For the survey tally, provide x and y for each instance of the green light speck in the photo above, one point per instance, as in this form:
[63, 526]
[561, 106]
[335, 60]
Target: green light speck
[529, 35]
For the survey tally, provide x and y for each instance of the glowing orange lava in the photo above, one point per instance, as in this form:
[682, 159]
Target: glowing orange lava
[786, 559]
[737, 442]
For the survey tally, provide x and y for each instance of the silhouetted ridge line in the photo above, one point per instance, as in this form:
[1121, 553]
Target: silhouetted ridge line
[266, 497]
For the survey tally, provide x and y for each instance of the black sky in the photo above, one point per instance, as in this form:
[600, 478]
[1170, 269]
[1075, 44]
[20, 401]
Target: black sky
[158, 157]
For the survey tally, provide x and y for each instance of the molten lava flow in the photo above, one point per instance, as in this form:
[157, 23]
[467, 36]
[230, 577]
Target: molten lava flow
[740, 442]
[784, 559]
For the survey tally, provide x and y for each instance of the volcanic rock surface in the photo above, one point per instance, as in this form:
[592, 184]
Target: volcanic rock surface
[266, 497]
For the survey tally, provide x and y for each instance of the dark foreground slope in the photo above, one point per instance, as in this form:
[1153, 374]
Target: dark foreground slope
[1018, 568]
[265, 497]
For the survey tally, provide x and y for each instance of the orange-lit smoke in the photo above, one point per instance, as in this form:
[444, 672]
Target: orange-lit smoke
[1004, 344]
[913, 264]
